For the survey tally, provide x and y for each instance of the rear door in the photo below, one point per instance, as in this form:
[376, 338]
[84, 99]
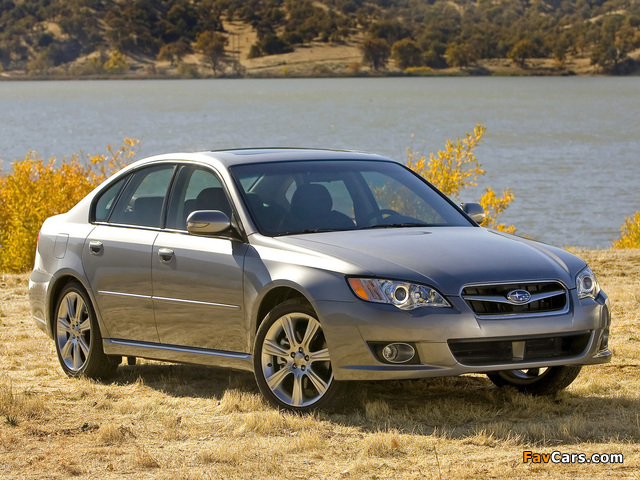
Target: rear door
[117, 253]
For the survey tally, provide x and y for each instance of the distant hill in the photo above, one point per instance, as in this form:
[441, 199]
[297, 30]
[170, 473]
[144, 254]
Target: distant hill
[75, 38]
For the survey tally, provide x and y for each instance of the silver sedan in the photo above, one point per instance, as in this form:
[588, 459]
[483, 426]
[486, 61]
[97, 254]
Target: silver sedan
[312, 269]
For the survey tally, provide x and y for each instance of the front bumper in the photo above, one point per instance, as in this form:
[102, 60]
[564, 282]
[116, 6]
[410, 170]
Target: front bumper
[441, 337]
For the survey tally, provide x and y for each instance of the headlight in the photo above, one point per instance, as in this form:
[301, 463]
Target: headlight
[586, 284]
[403, 295]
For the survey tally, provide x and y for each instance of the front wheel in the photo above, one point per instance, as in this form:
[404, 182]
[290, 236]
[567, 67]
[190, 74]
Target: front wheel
[537, 381]
[291, 360]
[77, 336]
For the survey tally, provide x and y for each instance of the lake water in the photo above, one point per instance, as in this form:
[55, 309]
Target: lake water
[567, 147]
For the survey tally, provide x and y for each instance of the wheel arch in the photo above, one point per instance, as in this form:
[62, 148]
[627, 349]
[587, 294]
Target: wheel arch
[56, 287]
[274, 297]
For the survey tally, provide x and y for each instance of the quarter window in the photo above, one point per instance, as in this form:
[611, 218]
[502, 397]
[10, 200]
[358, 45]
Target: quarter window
[107, 200]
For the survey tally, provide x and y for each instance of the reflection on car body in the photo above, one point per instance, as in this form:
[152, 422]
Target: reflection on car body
[312, 268]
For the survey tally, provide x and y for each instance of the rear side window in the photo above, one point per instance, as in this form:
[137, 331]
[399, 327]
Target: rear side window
[142, 200]
[107, 200]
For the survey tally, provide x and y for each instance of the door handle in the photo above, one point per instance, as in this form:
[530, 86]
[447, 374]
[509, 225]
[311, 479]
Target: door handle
[95, 247]
[165, 254]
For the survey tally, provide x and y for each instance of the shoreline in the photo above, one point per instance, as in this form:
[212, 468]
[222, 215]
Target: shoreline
[323, 62]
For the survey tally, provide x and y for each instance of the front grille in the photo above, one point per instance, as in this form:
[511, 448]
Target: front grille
[491, 300]
[472, 352]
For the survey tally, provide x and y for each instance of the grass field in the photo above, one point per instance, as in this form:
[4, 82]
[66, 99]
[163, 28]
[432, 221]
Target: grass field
[185, 422]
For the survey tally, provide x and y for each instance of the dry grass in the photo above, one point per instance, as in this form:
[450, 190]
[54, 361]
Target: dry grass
[186, 422]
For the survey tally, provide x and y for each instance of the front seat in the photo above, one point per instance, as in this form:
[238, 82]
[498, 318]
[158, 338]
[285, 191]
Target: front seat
[213, 198]
[311, 208]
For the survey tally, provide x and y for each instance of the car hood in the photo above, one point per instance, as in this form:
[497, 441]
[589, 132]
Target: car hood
[445, 257]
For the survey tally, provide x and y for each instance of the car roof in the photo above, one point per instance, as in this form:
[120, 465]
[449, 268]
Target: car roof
[229, 158]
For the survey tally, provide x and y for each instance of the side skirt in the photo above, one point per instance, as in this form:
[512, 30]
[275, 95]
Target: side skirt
[178, 354]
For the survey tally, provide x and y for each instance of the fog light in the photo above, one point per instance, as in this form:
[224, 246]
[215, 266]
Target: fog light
[398, 352]
[604, 339]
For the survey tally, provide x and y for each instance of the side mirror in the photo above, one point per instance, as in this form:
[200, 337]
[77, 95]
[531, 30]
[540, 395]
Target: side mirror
[207, 222]
[475, 211]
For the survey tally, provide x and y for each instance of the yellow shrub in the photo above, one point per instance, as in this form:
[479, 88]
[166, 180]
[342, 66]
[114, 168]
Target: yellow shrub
[494, 206]
[418, 71]
[629, 233]
[36, 189]
[455, 168]
[117, 63]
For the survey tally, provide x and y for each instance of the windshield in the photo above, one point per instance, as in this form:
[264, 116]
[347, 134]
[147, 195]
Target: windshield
[315, 196]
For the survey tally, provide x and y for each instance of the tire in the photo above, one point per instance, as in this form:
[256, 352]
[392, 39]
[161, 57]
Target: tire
[77, 336]
[537, 381]
[291, 360]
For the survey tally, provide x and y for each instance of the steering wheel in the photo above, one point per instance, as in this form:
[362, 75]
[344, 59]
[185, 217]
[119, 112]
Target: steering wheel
[379, 214]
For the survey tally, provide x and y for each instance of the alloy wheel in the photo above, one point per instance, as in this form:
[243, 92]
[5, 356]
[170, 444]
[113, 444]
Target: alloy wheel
[73, 331]
[295, 360]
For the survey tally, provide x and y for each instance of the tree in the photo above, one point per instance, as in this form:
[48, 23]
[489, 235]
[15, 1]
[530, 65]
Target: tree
[173, 52]
[375, 52]
[212, 46]
[390, 30]
[521, 51]
[460, 55]
[406, 53]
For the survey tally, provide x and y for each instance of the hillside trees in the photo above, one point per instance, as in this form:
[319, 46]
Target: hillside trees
[48, 33]
[615, 38]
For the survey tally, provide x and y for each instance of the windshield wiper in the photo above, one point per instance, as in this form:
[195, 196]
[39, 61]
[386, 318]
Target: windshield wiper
[395, 225]
[312, 230]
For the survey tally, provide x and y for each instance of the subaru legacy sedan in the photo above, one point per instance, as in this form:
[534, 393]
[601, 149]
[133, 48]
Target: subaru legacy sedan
[313, 269]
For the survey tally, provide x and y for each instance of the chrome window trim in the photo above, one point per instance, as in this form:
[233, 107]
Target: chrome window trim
[125, 225]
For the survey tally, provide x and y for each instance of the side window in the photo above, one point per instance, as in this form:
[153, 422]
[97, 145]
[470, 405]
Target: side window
[106, 201]
[142, 199]
[195, 189]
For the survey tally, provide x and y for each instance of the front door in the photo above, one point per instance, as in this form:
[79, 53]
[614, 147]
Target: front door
[198, 281]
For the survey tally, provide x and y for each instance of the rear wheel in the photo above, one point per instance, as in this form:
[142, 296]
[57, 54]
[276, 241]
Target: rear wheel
[291, 360]
[537, 381]
[77, 336]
